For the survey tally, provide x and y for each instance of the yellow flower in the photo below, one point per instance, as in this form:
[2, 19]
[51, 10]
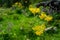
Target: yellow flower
[37, 10]
[36, 28]
[30, 9]
[38, 33]
[34, 10]
[39, 29]
[43, 15]
[48, 18]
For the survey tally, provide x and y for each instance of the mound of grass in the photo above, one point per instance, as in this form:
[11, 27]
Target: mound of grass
[16, 26]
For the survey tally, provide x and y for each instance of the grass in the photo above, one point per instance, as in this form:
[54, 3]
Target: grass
[18, 27]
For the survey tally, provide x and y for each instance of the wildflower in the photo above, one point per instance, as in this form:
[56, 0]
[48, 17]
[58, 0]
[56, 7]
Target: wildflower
[39, 29]
[43, 15]
[37, 10]
[30, 9]
[34, 10]
[48, 18]
[38, 33]
[36, 28]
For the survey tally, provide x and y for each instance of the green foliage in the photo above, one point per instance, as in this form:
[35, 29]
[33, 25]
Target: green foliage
[16, 23]
[15, 26]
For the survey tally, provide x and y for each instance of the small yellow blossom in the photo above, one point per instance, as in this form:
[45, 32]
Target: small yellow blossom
[43, 15]
[38, 33]
[34, 10]
[36, 28]
[37, 10]
[31, 9]
[48, 18]
[39, 29]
